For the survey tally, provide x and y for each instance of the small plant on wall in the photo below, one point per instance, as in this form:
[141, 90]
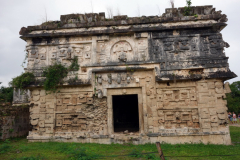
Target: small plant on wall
[54, 76]
[187, 9]
[74, 65]
[23, 80]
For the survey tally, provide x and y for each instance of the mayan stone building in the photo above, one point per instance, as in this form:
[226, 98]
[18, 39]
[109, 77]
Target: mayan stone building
[141, 79]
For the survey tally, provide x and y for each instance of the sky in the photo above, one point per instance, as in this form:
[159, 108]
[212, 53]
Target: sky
[15, 14]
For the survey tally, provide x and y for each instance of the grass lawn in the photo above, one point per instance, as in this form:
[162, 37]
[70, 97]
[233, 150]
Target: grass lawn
[20, 149]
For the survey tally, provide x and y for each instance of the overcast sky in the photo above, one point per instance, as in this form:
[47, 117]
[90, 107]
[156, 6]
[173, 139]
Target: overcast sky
[15, 14]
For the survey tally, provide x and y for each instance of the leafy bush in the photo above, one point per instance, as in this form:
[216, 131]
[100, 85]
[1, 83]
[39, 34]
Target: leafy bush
[54, 76]
[23, 80]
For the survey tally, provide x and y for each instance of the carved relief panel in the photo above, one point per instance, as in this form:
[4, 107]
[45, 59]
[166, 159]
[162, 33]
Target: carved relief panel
[182, 97]
[121, 52]
[174, 119]
[212, 45]
[175, 48]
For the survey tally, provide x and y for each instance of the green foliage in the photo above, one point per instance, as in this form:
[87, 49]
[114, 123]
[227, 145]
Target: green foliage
[80, 154]
[5, 147]
[63, 150]
[136, 153]
[151, 156]
[25, 58]
[39, 157]
[233, 98]
[23, 80]
[6, 94]
[187, 9]
[195, 15]
[235, 134]
[74, 65]
[11, 130]
[76, 153]
[54, 76]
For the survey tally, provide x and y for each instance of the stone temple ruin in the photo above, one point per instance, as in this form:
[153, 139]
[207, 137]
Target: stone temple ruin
[141, 79]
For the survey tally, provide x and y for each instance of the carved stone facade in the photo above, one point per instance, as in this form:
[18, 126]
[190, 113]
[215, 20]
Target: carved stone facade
[175, 65]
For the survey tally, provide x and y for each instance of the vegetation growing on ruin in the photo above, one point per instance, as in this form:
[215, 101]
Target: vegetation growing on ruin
[54, 76]
[74, 65]
[25, 58]
[19, 148]
[187, 9]
[57, 72]
[23, 80]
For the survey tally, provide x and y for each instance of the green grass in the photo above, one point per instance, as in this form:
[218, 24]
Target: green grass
[20, 149]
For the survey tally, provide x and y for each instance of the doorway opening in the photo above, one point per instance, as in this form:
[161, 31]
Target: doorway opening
[125, 113]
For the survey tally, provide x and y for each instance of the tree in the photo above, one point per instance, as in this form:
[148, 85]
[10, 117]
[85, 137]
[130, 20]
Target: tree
[6, 94]
[233, 98]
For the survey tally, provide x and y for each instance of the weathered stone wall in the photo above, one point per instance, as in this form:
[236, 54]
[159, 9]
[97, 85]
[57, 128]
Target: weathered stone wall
[175, 64]
[14, 121]
[71, 113]
[194, 109]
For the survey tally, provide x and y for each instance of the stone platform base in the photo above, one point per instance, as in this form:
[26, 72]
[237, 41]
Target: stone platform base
[205, 138]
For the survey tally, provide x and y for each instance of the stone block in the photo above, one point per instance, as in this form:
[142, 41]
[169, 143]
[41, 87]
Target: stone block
[213, 111]
[59, 101]
[43, 110]
[204, 113]
[42, 100]
[59, 122]
[186, 117]
[49, 118]
[41, 123]
[89, 100]
[66, 100]
[169, 116]
[195, 118]
[34, 122]
[214, 118]
[36, 98]
[202, 87]
[222, 116]
[35, 92]
[211, 85]
[74, 101]
[81, 100]
[219, 87]
[206, 124]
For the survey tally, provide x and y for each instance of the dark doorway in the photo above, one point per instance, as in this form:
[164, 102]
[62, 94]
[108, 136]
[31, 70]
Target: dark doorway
[125, 113]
